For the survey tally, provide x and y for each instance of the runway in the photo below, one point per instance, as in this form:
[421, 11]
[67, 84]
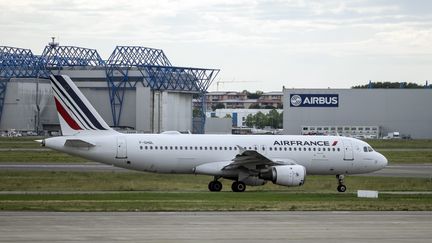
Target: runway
[408, 170]
[216, 227]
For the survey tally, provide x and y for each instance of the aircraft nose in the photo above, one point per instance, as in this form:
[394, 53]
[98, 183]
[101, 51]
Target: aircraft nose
[383, 162]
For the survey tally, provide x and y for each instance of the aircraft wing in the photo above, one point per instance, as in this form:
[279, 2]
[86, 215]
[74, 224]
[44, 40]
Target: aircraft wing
[251, 158]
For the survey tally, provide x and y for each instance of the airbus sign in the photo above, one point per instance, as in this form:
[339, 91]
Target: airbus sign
[314, 100]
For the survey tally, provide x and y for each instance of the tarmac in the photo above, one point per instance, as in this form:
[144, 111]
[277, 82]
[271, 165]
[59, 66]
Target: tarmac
[216, 227]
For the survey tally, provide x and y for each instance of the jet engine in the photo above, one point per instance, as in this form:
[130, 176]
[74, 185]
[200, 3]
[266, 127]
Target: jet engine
[254, 181]
[285, 175]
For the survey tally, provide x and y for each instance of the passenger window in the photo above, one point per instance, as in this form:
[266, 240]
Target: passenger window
[155, 147]
[319, 149]
[200, 147]
[304, 149]
[295, 149]
[151, 147]
[290, 149]
[181, 147]
[338, 149]
[263, 148]
[196, 148]
[171, 147]
[314, 149]
[185, 147]
[310, 149]
[225, 148]
[334, 149]
[270, 149]
[161, 147]
[230, 148]
[191, 148]
[141, 147]
[166, 147]
[211, 148]
[285, 149]
[145, 147]
[205, 147]
[256, 148]
[175, 147]
[280, 149]
[220, 148]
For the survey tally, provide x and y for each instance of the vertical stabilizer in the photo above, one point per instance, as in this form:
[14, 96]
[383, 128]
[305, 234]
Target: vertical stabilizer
[75, 112]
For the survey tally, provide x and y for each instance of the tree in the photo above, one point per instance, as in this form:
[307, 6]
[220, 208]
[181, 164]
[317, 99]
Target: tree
[273, 118]
[255, 106]
[260, 120]
[196, 112]
[218, 106]
[250, 120]
[389, 85]
[255, 95]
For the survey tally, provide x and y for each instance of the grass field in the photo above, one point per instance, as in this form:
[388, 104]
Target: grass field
[109, 191]
[140, 181]
[206, 201]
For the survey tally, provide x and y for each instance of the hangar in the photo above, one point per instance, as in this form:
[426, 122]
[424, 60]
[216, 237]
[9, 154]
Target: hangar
[363, 113]
[136, 88]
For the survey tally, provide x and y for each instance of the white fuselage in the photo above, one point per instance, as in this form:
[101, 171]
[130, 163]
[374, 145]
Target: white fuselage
[182, 153]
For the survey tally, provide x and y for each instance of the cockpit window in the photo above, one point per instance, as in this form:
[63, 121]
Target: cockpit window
[368, 149]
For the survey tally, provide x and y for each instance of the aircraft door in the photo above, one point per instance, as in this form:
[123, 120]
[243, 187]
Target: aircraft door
[348, 150]
[121, 148]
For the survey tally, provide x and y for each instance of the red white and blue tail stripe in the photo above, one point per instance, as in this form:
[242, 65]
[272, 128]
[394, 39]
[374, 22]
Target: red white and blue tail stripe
[75, 112]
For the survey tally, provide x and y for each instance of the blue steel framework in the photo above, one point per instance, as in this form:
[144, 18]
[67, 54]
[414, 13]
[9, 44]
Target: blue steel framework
[17, 63]
[70, 56]
[153, 68]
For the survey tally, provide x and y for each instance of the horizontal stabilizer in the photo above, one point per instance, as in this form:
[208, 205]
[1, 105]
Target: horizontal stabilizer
[78, 143]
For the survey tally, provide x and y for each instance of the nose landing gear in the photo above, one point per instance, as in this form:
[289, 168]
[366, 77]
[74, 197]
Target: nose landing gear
[341, 187]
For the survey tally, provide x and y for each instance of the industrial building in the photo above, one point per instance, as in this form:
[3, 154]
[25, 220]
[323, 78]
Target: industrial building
[363, 113]
[136, 88]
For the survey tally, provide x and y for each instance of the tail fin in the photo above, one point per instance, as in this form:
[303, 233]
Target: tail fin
[75, 112]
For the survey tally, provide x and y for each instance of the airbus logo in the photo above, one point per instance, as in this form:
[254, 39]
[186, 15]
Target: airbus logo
[296, 100]
[314, 100]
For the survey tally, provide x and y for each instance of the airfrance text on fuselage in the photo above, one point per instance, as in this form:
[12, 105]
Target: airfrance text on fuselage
[303, 143]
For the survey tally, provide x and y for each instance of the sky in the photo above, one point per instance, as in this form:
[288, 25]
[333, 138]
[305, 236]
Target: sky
[257, 44]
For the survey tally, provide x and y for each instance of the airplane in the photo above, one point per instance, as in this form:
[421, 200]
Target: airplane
[247, 160]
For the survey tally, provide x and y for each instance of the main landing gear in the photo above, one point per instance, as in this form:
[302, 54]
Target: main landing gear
[238, 186]
[216, 186]
[341, 187]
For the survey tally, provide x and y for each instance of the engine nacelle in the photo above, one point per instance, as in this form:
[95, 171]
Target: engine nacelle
[286, 175]
[254, 181]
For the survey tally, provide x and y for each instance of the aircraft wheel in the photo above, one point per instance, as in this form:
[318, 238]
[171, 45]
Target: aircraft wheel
[341, 188]
[238, 186]
[215, 186]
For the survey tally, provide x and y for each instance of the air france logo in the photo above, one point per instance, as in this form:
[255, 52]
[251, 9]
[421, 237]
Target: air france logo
[314, 100]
